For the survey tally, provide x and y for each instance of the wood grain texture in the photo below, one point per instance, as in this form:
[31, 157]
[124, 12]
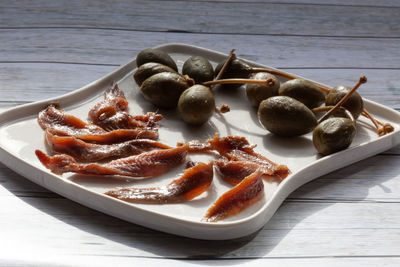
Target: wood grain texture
[207, 17]
[368, 3]
[114, 47]
[130, 261]
[84, 232]
[346, 218]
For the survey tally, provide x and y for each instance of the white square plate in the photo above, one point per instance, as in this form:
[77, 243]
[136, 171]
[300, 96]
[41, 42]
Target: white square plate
[21, 136]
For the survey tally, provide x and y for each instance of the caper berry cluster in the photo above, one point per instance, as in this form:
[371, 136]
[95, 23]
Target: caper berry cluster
[162, 85]
[190, 92]
[288, 109]
[293, 113]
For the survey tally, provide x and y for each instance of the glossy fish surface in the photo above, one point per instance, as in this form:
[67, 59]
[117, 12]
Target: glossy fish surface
[238, 148]
[64, 124]
[90, 152]
[233, 172]
[192, 183]
[112, 113]
[144, 165]
[244, 194]
[57, 122]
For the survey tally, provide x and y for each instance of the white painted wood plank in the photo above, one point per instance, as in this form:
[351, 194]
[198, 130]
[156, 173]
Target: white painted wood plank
[207, 17]
[67, 230]
[104, 260]
[32, 82]
[99, 46]
[346, 218]
[386, 3]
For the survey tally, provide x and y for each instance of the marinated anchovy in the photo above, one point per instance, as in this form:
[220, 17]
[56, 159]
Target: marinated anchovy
[112, 113]
[238, 165]
[57, 122]
[267, 167]
[237, 148]
[244, 194]
[64, 124]
[90, 152]
[118, 136]
[145, 165]
[123, 120]
[197, 146]
[233, 172]
[192, 183]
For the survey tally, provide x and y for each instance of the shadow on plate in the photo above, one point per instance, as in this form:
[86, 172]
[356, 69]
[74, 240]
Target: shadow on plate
[166, 245]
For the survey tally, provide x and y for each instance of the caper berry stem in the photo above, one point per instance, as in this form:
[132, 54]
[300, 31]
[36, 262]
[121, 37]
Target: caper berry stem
[374, 121]
[269, 82]
[274, 72]
[231, 57]
[327, 108]
[224, 108]
[286, 75]
[369, 115]
[189, 80]
[385, 128]
[362, 80]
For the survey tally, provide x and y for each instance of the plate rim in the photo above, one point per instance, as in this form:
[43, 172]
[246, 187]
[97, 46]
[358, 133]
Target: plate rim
[252, 222]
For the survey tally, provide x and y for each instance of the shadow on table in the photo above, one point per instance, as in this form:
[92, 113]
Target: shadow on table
[152, 242]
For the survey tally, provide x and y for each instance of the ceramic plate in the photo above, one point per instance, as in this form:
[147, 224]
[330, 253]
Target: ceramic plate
[21, 136]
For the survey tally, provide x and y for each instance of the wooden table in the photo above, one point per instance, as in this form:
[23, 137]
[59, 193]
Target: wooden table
[346, 218]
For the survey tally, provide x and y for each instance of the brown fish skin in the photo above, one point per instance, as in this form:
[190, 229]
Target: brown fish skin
[111, 113]
[114, 101]
[144, 165]
[243, 195]
[229, 143]
[197, 146]
[237, 148]
[65, 124]
[90, 152]
[59, 123]
[233, 172]
[192, 183]
[124, 120]
[221, 145]
[267, 167]
[118, 136]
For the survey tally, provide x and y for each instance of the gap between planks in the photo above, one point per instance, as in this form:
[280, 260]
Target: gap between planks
[201, 33]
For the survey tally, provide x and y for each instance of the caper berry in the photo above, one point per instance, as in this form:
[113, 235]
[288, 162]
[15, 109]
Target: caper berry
[354, 103]
[333, 135]
[164, 89]
[285, 116]
[198, 68]
[304, 91]
[148, 69]
[155, 55]
[259, 92]
[237, 68]
[196, 104]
